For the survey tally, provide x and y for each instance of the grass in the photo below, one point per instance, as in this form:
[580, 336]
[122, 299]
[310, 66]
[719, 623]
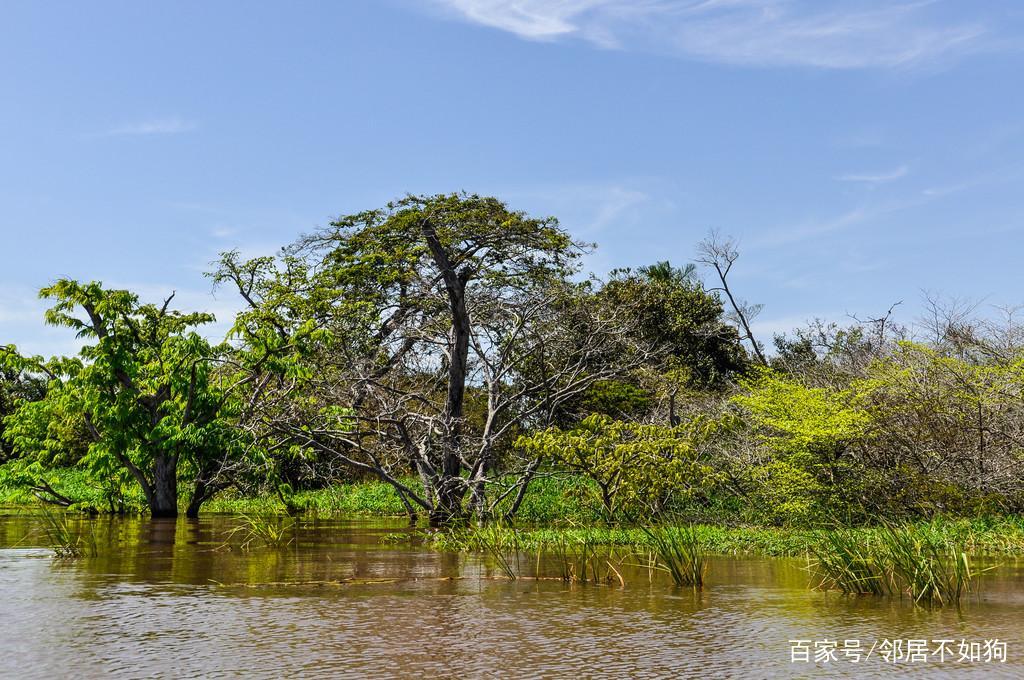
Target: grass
[918, 561]
[924, 567]
[271, 531]
[66, 541]
[679, 551]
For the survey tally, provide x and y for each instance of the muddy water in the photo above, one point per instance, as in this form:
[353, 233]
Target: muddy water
[169, 599]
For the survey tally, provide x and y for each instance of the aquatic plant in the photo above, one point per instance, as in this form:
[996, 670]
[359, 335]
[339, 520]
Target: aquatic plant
[921, 566]
[678, 550]
[270, 531]
[843, 561]
[581, 558]
[67, 542]
[918, 561]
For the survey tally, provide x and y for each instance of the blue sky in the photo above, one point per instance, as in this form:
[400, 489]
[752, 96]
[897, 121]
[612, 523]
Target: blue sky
[861, 151]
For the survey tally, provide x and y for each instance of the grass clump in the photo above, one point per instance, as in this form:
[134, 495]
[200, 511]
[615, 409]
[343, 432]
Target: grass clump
[270, 531]
[923, 568]
[844, 562]
[67, 541]
[679, 551]
[922, 562]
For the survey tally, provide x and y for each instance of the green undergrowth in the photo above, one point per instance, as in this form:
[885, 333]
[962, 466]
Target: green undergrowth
[554, 508]
[1002, 536]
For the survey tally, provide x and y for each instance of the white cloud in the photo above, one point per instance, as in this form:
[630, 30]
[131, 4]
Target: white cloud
[154, 126]
[869, 34]
[876, 177]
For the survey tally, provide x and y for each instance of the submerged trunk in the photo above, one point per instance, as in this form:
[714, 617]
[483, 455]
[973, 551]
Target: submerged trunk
[164, 502]
[200, 495]
[448, 500]
[451, 488]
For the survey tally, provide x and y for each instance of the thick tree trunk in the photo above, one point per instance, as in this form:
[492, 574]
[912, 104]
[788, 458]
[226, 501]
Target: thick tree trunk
[165, 487]
[451, 488]
[448, 501]
[199, 496]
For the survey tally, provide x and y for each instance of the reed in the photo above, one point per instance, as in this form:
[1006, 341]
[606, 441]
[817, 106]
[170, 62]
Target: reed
[928, 566]
[67, 542]
[270, 531]
[922, 567]
[502, 544]
[678, 550]
[582, 559]
[844, 562]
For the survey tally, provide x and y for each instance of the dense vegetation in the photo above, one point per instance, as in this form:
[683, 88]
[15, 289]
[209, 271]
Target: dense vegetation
[450, 350]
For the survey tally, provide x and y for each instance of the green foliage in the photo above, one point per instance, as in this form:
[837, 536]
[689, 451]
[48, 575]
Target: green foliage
[678, 550]
[929, 567]
[615, 398]
[638, 469]
[17, 386]
[794, 419]
[146, 391]
[807, 432]
[683, 322]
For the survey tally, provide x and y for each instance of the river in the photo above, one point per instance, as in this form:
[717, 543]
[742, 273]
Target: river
[345, 598]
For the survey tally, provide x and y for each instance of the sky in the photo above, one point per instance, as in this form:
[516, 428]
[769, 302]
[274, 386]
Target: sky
[861, 151]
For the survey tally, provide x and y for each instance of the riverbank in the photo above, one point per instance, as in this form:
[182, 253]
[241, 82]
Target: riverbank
[556, 508]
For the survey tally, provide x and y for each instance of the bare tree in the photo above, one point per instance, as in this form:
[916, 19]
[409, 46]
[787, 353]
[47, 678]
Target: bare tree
[720, 253]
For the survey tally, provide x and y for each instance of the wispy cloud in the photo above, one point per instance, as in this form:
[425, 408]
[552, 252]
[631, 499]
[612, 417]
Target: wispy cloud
[870, 34]
[876, 177]
[155, 126]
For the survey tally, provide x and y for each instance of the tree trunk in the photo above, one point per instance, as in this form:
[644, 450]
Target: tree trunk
[165, 487]
[448, 503]
[199, 496]
[450, 487]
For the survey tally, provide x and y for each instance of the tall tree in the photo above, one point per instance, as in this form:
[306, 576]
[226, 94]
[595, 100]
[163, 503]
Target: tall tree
[407, 311]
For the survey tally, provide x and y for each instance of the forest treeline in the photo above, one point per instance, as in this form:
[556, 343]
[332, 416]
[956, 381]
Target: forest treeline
[453, 348]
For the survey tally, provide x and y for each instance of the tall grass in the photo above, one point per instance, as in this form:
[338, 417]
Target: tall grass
[923, 568]
[928, 566]
[844, 562]
[66, 541]
[678, 550]
[269, 531]
[581, 559]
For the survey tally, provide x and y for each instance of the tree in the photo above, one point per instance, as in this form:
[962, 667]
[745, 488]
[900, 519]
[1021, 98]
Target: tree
[638, 469]
[409, 312]
[721, 254]
[808, 435]
[147, 389]
[676, 316]
[16, 386]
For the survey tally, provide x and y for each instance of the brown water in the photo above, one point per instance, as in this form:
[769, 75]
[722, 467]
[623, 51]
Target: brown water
[167, 599]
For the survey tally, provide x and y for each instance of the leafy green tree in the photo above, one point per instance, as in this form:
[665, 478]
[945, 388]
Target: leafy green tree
[808, 433]
[16, 386]
[147, 388]
[441, 325]
[638, 469]
[680, 320]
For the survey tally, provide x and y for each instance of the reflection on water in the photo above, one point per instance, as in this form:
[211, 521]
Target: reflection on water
[168, 599]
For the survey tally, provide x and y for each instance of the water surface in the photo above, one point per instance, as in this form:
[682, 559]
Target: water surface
[180, 599]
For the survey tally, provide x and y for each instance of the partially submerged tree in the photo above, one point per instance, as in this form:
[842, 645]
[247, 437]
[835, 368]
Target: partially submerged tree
[147, 389]
[412, 311]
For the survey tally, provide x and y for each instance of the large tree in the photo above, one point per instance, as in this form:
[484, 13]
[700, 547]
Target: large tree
[148, 389]
[401, 316]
